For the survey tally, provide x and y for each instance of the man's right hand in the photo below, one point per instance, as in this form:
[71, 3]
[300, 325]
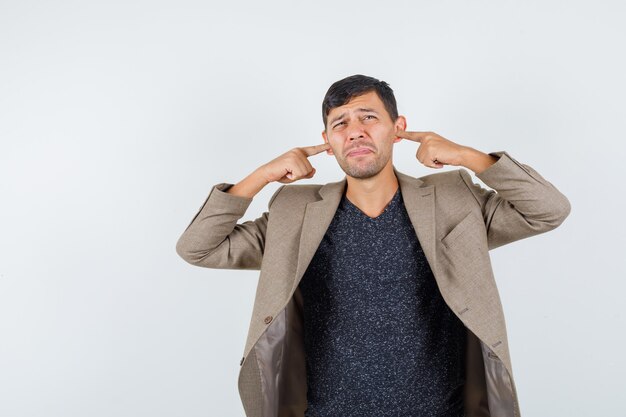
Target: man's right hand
[287, 168]
[293, 165]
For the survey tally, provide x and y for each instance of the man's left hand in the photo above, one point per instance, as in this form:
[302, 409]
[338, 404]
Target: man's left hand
[435, 151]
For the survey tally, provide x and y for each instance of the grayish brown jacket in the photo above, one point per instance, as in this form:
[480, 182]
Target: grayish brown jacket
[456, 221]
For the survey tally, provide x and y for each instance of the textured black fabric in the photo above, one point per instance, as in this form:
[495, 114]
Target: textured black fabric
[379, 338]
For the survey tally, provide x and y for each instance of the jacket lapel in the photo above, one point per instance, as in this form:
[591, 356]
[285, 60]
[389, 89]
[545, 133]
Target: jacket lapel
[418, 200]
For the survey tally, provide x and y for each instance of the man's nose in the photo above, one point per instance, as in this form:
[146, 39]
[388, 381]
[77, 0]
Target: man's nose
[356, 131]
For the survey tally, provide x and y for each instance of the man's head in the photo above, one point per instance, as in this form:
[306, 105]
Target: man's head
[361, 112]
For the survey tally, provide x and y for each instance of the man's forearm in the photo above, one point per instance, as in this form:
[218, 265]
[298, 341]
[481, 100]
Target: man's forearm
[476, 160]
[249, 186]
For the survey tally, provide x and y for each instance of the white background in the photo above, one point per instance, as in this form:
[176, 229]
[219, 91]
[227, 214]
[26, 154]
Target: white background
[116, 118]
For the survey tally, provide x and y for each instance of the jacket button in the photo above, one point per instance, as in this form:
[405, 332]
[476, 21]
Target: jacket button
[268, 319]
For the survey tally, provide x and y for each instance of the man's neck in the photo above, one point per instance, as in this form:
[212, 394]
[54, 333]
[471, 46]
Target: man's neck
[371, 195]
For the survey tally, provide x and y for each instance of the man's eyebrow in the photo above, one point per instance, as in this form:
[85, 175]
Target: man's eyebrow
[363, 110]
[360, 109]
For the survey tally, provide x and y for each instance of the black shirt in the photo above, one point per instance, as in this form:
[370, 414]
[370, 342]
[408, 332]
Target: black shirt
[379, 338]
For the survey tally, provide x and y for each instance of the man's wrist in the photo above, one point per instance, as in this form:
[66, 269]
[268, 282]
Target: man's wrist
[249, 186]
[476, 160]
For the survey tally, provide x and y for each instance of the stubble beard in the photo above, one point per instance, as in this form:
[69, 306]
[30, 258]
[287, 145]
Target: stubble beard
[363, 170]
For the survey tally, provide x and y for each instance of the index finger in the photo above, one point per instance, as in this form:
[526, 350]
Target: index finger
[414, 136]
[315, 149]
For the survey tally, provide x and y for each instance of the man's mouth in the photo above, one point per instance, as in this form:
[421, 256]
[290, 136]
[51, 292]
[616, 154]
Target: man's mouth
[359, 151]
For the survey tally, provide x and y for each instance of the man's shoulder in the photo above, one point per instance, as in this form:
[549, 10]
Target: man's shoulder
[299, 194]
[303, 188]
[449, 179]
[308, 192]
[439, 178]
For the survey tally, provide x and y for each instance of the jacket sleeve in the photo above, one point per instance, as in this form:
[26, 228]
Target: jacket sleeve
[214, 239]
[523, 204]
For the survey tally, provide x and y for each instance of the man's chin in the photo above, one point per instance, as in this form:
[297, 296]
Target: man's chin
[361, 172]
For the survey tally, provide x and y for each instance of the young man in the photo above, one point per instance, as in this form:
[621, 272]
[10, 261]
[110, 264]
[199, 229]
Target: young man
[376, 295]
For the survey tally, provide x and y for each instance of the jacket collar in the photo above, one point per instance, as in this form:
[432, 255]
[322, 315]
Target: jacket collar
[418, 200]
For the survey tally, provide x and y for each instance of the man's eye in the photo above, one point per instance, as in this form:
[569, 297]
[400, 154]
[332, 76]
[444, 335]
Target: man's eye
[369, 115]
[340, 123]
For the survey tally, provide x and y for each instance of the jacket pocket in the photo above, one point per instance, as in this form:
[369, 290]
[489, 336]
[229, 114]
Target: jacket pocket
[460, 229]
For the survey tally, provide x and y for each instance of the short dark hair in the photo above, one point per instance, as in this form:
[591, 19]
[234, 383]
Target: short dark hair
[342, 91]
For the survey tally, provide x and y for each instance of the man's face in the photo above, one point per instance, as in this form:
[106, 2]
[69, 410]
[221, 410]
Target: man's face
[362, 124]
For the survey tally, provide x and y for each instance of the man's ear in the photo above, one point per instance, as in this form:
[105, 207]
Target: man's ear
[329, 151]
[399, 125]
